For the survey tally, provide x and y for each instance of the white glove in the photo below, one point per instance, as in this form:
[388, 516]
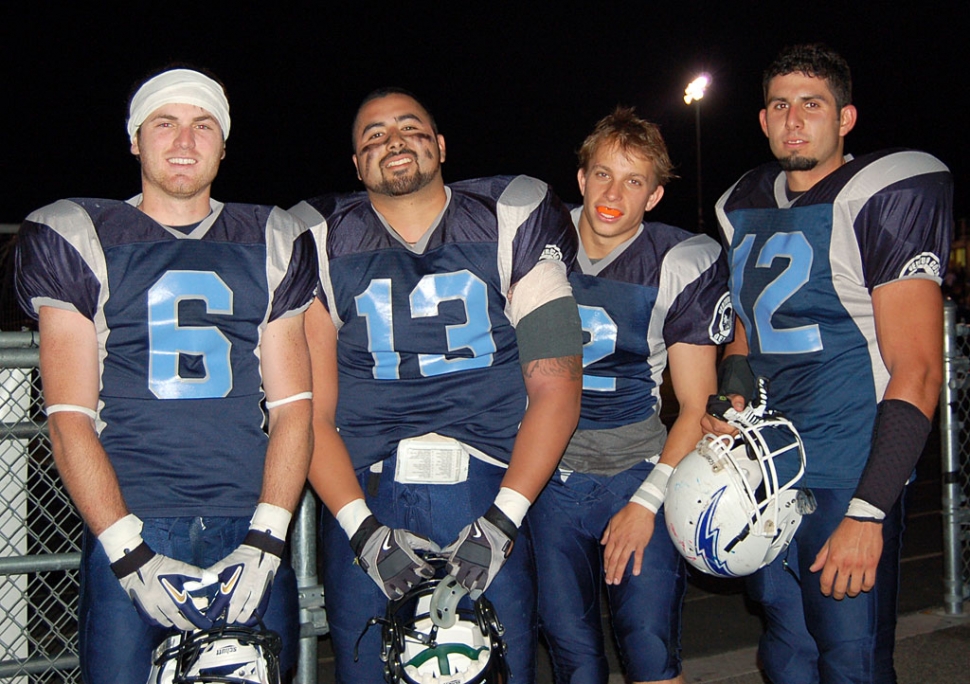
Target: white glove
[246, 575]
[481, 550]
[157, 585]
[390, 558]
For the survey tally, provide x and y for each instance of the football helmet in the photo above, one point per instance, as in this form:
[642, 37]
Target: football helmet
[231, 654]
[726, 510]
[435, 634]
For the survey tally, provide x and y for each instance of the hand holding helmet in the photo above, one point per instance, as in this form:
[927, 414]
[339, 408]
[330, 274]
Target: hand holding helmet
[158, 586]
[466, 647]
[484, 545]
[726, 509]
[391, 557]
[246, 575]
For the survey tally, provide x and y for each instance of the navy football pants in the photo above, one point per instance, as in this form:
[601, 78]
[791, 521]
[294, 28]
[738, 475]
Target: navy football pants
[439, 512]
[812, 638]
[116, 644]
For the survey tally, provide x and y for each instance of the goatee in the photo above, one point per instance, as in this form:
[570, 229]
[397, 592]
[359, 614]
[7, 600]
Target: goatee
[396, 187]
[796, 163]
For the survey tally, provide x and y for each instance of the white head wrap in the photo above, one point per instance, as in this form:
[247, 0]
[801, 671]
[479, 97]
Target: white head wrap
[179, 86]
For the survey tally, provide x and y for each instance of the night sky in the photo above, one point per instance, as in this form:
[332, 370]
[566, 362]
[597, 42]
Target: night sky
[515, 87]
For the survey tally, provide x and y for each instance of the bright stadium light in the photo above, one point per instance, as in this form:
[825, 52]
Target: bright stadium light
[693, 94]
[695, 89]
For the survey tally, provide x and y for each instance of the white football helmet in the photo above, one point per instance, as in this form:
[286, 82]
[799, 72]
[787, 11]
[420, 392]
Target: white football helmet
[228, 654]
[430, 638]
[725, 509]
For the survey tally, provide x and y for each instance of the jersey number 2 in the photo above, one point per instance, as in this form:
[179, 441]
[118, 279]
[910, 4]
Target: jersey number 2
[601, 328]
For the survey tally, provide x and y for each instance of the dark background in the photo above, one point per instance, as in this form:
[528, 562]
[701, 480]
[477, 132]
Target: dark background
[515, 86]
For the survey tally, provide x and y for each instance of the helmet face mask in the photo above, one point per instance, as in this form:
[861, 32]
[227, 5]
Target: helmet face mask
[416, 650]
[726, 509]
[226, 654]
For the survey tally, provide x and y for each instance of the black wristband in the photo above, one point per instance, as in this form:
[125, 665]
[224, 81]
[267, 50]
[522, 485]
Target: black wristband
[363, 533]
[898, 438]
[264, 541]
[495, 516]
[734, 376]
[132, 561]
[717, 405]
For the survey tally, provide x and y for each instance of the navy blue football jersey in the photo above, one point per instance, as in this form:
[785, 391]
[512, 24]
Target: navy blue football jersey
[803, 270]
[179, 319]
[425, 343]
[663, 286]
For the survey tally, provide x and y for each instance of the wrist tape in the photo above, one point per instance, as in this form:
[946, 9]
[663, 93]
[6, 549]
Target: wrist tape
[513, 505]
[267, 529]
[271, 519]
[864, 511]
[352, 515]
[121, 537]
[653, 491]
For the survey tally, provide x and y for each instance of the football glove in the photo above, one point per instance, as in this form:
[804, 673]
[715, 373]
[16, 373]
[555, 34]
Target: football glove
[246, 575]
[481, 550]
[159, 587]
[390, 557]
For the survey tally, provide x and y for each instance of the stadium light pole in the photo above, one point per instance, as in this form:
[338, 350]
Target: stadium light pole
[693, 94]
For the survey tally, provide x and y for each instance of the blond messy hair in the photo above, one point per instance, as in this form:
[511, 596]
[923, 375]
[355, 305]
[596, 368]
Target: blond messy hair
[632, 136]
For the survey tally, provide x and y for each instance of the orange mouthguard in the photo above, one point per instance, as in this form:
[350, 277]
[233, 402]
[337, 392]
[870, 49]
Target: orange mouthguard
[614, 213]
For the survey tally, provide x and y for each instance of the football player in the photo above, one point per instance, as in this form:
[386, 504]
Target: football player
[445, 319]
[165, 323]
[647, 293]
[836, 264]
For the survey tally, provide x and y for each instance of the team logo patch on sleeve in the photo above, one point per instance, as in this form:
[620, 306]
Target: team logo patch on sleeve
[926, 263]
[723, 322]
[551, 253]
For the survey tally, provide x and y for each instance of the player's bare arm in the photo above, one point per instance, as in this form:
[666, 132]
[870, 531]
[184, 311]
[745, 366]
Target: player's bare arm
[554, 387]
[69, 369]
[909, 328]
[286, 380]
[738, 346]
[693, 379]
[388, 556]
[331, 472]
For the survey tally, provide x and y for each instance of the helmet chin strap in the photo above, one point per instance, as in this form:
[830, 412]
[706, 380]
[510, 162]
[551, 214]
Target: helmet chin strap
[444, 602]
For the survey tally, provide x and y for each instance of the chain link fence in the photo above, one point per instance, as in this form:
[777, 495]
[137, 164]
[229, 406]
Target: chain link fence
[40, 533]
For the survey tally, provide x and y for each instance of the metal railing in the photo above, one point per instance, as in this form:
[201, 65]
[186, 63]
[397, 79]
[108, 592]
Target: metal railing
[40, 534]
[955, 466]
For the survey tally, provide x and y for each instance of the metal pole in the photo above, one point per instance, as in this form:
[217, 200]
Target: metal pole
[953, 364]
[700, 194]
[303, 554]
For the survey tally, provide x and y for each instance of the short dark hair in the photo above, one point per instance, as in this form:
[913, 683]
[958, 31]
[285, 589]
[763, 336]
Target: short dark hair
[386, 91]
[632, 135]
[818, 61]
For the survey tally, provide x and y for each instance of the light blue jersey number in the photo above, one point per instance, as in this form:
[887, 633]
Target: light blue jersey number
[796, 249]
[475, 334]
[168, 339]
[602, 342]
